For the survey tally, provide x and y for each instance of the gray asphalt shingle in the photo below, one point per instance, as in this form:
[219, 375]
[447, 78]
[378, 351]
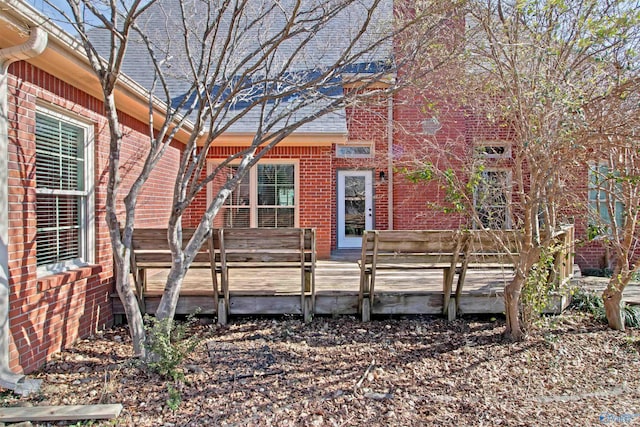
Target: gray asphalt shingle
[177, 42]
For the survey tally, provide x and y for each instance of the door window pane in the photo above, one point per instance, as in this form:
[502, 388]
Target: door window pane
[354, 206]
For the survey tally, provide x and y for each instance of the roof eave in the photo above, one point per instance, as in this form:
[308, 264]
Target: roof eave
[305, 139]
[64, 59]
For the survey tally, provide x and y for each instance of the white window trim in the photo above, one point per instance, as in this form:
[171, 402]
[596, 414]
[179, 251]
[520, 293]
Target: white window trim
[497, 143]
[253, 185]
[508, 219]
[87, 244]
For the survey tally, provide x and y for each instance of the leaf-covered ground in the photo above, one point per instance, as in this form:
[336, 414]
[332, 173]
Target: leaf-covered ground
[342, 372]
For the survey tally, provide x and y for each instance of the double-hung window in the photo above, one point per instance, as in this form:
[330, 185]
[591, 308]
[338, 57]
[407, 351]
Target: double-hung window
[266, 197]
[603, 199]
[491, 199]
[64, 192]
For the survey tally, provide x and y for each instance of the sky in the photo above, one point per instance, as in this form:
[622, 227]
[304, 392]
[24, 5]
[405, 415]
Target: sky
[48, 9]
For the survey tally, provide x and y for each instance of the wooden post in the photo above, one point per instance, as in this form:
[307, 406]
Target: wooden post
[307, 310]
[303, 275]
[364, 280]
[212, 260]
[222, 312]
[141, 287]
[224, 279]
[447, 279]
[312, 272]
[307, 281]
[366, 309]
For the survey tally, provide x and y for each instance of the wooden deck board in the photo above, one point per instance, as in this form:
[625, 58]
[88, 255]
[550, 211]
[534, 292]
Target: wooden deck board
[60, 413]
[330, 276]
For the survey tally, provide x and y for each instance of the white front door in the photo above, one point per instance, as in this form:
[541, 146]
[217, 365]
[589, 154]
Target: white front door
[355, 207]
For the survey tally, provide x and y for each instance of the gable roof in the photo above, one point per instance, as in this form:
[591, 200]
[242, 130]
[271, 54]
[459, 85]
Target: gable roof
[296, 61]
[64, 58]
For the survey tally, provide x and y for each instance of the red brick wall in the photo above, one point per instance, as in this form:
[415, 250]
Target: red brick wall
[366, 123]
[316, 189]
[48, 313]
[317, 193]
[412, 202]
[420, 205]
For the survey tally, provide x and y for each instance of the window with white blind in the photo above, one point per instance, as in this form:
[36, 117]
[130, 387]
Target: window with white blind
[266, 197]
[64, 192]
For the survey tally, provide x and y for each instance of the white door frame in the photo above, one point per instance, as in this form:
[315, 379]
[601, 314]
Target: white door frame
[345, 241]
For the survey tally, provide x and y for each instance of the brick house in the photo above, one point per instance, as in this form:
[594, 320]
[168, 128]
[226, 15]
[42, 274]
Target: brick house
[56, 152]
[337, 175]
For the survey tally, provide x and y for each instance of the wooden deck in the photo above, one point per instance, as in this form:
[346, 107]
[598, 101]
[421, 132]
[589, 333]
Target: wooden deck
[272, 292]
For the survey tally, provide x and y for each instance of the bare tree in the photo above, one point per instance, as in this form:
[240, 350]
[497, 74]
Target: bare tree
[614, 182]
[528, 71]
[211, 67]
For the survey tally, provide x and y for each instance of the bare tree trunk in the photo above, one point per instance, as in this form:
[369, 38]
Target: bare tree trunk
[169, 301]
[121, 247]
[529, 255]
[130, 304]
[512, 292]
[612, 297]
[167, 307]
[613, 307]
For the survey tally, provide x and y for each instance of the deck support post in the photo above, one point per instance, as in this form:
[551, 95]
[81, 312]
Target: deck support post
[307, 309]
[447, 278]
[222, 312]
[366, 309]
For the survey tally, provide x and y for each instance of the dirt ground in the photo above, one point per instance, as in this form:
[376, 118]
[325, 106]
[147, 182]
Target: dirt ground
[413, 371]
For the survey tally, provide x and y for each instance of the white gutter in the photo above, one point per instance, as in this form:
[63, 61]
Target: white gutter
[34, 46]
[390, 161]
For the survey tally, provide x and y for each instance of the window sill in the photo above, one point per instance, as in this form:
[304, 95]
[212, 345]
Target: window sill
[58, 279]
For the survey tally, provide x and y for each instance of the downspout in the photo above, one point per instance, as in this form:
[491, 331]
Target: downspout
[34, 46]
[390, 161]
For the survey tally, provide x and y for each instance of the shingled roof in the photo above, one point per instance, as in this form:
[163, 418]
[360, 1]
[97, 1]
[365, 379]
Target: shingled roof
[295, 62]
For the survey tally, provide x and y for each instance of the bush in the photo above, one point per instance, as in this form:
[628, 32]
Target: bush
[591, 302]
[632, 316]
[168, 345]
[537, 290]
